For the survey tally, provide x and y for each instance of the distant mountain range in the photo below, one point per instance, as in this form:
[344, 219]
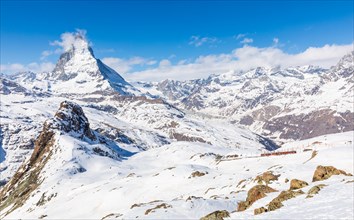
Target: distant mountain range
[294, 103]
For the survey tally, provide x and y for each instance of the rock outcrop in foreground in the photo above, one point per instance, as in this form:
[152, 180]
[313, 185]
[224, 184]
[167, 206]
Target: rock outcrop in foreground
[69, 119]
[325, 172]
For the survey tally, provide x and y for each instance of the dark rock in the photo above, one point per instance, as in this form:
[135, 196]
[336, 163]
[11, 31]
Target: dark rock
[70, 118]
[217, 215]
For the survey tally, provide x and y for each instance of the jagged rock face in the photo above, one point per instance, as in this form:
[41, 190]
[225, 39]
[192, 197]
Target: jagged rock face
[8, 87]
[16, 142]
[70, 118]
[345, 67]
[304, 126]
[78, 59]
[27, 178]
[64, 58]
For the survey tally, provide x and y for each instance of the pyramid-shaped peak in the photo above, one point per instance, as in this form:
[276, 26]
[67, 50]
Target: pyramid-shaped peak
[80, 45]
[78, 66]
[77, 53]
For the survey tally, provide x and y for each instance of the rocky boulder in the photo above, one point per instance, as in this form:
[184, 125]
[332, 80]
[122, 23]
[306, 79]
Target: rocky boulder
[314, 190]
[276, 203]
[217, 215]
[266, 177]
[297, 184]
[255, 193]
[325, 172]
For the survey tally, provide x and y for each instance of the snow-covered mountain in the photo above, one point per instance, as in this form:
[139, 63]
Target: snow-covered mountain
[77, 72]
[174, 149]
[132, 119]
[293, 103]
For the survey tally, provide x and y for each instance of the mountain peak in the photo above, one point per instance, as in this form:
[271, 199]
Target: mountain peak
[80, 49]
[345, 66]
[78, 66]
[81, 45]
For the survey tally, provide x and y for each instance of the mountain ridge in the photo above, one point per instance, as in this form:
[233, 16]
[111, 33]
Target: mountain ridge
[264, 97]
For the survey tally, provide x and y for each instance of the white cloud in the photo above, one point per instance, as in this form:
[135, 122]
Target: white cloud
[165, 63]
[239, 36]
[247, 41]
[69, 39]
[151, 62]
[244, 58]
[275, 40]
[34, 67]
[124, 65]
[198, 41]
[45, 54]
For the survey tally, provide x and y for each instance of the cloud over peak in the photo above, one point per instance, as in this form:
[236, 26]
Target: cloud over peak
[71, 39]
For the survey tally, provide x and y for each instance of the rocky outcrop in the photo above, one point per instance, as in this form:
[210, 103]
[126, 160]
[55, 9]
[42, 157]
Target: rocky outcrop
[27, 178]
[217, 215]
[276, 203]
[297, 184]
[314, 190]
[255, 193]
[69, 119]
[266, 177]
[160, 206]
[260, 210]
[183, 137]
[198, 174]
[325, 172]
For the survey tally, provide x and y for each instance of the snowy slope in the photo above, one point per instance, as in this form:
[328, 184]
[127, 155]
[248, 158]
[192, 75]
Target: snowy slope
[158, 183]
[137, 124]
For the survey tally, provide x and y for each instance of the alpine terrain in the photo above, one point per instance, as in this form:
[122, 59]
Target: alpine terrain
[80, 142]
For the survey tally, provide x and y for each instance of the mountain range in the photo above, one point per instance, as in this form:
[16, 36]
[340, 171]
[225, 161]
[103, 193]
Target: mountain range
[82, 142]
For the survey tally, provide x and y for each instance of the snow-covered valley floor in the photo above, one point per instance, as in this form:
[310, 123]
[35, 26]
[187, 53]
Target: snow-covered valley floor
[162, 183]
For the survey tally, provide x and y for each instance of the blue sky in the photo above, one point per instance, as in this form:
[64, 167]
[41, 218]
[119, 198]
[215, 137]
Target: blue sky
[177, 31]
